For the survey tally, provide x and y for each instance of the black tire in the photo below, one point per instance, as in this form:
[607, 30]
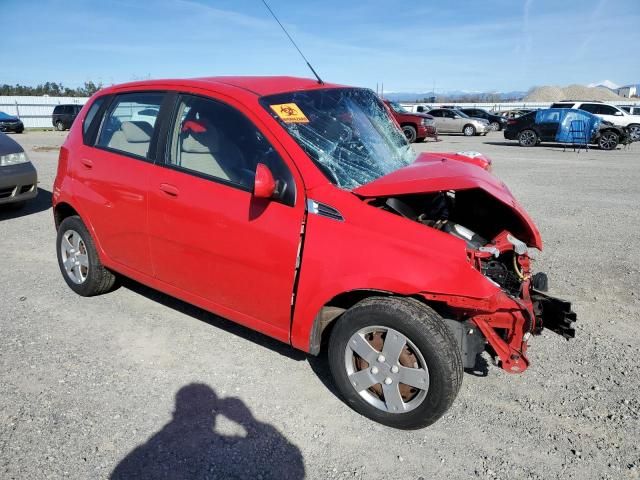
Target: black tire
[425, 329]
[59, 126]
[98, 279]
[634, 132]
[469, 130]
[410, 133]
[420, 140]
[528, 138]
[19, 131]
[495, 126]
[608, 140]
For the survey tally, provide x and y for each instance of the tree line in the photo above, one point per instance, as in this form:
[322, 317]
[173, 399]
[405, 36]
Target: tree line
[51, 89]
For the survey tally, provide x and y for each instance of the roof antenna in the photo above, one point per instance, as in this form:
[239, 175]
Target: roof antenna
[294, 43]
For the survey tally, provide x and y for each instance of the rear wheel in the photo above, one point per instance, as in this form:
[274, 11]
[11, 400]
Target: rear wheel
[608, 140]
[78, 260]
[59, 126]
[395, 361]
[469, 130]
[527, 138]
[495, 126]
[410, 133]
[634, 132]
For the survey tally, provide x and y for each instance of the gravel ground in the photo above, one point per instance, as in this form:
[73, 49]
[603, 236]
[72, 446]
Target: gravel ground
[134, 383]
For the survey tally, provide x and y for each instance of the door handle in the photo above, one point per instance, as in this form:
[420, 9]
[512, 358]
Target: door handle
[169, 189]
[87, 163]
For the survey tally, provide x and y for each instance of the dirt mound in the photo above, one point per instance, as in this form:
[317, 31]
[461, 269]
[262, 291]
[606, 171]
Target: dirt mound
[572, 92]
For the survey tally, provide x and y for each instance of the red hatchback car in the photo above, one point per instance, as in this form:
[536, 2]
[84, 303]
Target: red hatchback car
[299, 210]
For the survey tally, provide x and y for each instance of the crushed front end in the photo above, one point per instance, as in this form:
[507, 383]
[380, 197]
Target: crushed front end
[520, 307]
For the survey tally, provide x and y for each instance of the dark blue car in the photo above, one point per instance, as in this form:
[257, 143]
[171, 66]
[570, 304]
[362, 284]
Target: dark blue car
[9, 123]
[564, 125]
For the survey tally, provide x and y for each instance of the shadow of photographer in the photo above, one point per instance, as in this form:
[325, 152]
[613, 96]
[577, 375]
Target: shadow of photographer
[188, 447]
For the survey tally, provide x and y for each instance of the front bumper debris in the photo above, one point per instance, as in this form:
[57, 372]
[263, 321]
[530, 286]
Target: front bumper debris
[554, 314]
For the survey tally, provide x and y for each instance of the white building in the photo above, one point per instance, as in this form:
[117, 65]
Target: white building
[628, 91]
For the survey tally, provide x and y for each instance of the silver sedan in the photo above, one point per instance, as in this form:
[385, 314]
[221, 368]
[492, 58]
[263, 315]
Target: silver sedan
[449, 120]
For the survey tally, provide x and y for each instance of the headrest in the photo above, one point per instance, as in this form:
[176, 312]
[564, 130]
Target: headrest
[137, 132]
[206, 142]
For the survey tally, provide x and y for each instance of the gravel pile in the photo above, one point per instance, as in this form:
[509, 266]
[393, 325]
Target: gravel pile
[572, 92]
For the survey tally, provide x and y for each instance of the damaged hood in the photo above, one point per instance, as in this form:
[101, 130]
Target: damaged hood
[431, 173]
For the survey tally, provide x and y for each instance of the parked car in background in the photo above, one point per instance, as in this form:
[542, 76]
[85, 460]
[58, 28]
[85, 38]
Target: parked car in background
[449, 120]
[565, 126]
[496, 122]
[611, 113]
[18, 177]
[631, 109]
[296, 208]
[415, 126]
[64, 115]
[10, 123]
[515, 113]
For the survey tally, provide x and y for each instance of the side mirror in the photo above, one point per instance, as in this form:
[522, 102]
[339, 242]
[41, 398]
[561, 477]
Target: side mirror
[264, 185]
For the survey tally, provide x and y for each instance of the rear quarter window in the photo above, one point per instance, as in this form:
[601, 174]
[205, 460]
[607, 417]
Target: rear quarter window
[91, 115]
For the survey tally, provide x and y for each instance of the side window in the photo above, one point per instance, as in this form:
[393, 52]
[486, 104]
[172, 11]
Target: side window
[607, 110]
[128, 125]
[548, 116]
[449, 114]
[91, 114]
[435, 113]
[214, 139]
[589, 107]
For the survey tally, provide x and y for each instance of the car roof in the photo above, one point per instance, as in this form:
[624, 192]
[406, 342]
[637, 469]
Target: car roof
[259, 86]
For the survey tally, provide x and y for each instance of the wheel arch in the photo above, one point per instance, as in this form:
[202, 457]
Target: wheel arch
[63, 210]
[326, 318]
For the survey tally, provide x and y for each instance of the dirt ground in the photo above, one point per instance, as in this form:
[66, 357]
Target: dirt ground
[134, 384]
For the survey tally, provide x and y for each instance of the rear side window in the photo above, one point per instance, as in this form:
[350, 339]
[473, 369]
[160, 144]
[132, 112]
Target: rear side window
[548, 116]
[129, 123]
[91, 114]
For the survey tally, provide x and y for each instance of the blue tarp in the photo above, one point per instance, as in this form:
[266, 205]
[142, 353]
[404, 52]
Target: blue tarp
[571, 122]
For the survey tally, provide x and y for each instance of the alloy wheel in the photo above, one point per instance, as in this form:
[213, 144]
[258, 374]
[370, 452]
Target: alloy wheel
[634, 133]
[528, 138]
[608, 141]
[386, 369]
[74, 256]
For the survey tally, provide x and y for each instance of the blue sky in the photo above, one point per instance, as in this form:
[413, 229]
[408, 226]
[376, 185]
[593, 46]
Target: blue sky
[460, 45]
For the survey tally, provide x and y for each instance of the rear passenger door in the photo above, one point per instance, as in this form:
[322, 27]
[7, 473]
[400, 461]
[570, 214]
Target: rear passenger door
[112, 178]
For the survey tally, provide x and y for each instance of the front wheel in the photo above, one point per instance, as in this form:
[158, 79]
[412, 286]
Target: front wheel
[527, 138]
[469, 130]
[78, 260]
[608, 141]
[410, 133]
[395, 362]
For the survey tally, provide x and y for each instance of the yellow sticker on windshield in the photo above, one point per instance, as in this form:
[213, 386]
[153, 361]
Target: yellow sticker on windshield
[290, 113]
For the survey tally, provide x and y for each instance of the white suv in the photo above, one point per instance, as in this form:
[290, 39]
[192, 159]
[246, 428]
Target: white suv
[611, 113]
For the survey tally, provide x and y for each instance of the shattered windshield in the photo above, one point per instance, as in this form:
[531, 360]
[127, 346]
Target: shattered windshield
[347, 132]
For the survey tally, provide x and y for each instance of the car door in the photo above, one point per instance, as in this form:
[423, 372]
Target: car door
[438, 118]
[112, 174]
[455, 122]
[547, 123]
[210, 238]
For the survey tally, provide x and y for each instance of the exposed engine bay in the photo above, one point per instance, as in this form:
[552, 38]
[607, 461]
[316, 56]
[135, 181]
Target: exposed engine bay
[475, 217]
